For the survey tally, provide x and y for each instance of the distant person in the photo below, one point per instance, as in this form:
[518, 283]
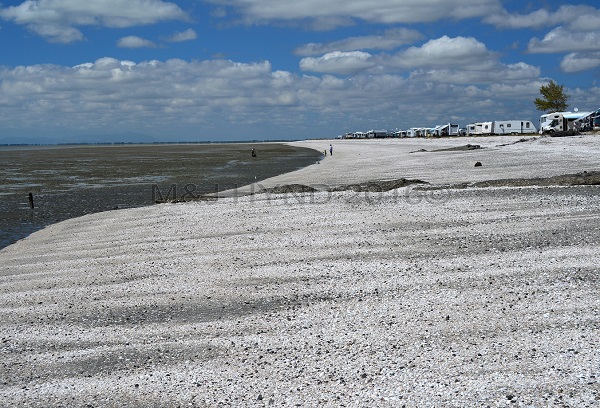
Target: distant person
[330, 150]
[325, 152]
[253, 153]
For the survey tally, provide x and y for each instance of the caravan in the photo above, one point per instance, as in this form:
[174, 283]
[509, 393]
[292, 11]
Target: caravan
[484, 128]
[377, 134]
[501, 127]
[449, 129]
[416, 132]
[513, 127]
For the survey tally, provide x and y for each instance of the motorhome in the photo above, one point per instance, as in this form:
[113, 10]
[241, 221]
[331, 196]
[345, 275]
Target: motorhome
[551, 122]
[559, 121]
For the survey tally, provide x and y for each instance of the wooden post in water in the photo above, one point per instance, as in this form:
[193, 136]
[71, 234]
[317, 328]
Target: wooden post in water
[31, 200]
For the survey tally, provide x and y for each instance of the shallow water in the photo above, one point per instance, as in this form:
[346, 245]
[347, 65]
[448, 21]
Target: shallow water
[70, 181]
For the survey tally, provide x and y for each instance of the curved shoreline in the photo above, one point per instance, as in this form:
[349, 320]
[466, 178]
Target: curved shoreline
[443, 162]
[482, 296]
[71, 181]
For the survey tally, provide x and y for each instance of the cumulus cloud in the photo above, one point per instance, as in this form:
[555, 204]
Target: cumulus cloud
[562, 40]
[389, 40]
[109, 91]
[491, 73]
[458, 60]
[339, 62]
[57, 20]
[174, 96]
[577, 62]
[577, 31]
[186, 35]
[576, 18]
[134, 42]
[387, 11]
[441, 52]
[445, 51]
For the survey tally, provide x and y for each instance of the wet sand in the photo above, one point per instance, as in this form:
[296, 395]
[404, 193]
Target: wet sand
[456, 295]
[71, 181]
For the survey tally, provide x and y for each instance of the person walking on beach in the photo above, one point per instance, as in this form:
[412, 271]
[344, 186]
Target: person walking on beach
[330, 150]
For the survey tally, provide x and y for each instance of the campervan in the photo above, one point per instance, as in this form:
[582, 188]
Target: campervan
[559, 121]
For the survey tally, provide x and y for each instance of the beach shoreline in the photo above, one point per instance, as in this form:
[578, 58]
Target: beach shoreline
[447, 296]
[74, 180]
[438, 161]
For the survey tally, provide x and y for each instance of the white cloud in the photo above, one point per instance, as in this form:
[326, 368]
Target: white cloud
[458, 60]
[339, 62]
[577, 30]
[562, 40]
[535, 19]
[445, 51]
[389, 40]
[186, 35]
[213, 98]
[576, 18]
[520, 71]
[134, 42]
[493, 73]
[577, 62]
[467, 53]
[385, 11]
[56, 20]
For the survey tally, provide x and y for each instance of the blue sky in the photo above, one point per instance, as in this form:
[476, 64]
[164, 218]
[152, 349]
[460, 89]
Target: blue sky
[91, 70]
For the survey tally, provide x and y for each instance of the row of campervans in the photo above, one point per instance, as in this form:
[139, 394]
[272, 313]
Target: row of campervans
[549, 123]
[569, 121]
[449, 129]
[499, 127]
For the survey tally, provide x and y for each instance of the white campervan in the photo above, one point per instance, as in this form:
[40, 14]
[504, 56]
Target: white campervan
[559, 121]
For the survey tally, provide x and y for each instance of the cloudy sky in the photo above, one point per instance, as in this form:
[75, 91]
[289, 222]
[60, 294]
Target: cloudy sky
[82, 70]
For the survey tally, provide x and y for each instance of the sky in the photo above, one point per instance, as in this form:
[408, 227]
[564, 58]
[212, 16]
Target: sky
[223, 70]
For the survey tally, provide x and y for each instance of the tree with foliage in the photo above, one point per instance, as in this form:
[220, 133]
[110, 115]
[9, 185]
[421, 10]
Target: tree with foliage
[554, 98]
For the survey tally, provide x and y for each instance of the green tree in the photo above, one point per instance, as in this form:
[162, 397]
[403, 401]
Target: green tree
[554, 98]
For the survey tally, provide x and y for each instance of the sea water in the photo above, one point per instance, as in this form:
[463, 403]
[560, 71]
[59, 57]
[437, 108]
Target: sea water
[71, 181]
